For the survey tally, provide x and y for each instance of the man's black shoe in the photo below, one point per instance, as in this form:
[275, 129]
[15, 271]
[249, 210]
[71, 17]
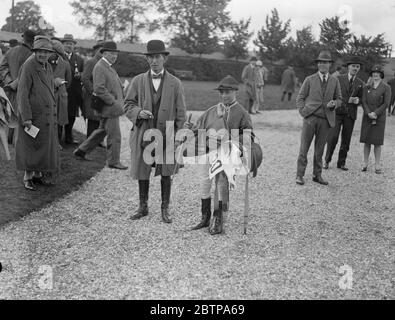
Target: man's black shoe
[118, 167]
[71, 142]
[326, 165]
[29, 185]
[81, 155]
[343, 167]
[320, 181]
[300, 181]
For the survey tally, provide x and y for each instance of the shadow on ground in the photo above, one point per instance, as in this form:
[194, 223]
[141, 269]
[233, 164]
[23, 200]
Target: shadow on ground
[16, 202]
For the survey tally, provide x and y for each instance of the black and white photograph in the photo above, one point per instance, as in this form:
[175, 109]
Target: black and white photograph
[198, 155]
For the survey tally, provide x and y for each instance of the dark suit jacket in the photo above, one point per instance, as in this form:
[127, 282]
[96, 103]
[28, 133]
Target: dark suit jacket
[347, 92]
[311, 97]
[75, 89]
[87, 82]
[391, 83]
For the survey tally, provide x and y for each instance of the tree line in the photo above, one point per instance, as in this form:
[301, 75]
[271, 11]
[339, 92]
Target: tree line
[205, 26]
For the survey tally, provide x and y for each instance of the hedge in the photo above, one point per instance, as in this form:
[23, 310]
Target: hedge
[130, 65]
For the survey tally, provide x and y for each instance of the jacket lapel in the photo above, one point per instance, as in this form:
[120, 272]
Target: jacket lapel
[147, 92]
[43, 76]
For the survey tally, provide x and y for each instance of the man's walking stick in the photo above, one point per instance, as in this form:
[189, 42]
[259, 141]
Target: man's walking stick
[246, 205]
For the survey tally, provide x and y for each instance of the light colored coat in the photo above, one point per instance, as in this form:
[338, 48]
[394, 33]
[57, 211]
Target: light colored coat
[36, 100]
[248, 78]
[108, 87]
[172, 108]
[311, 97]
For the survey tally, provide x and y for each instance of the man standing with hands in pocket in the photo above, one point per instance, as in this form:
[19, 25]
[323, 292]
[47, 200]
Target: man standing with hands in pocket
[317, 100]
[352, 88]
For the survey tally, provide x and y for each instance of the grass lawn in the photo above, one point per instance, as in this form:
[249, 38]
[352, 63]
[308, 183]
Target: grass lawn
[16, 202]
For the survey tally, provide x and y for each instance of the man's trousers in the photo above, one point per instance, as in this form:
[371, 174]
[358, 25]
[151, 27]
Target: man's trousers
[312, 127]
[345, 124]
[108, 127]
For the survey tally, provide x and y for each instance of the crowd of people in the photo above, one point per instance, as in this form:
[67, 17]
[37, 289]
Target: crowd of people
[328, 105]
[46, 83]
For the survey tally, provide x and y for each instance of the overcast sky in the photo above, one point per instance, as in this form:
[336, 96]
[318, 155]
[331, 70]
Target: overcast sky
[369, 17]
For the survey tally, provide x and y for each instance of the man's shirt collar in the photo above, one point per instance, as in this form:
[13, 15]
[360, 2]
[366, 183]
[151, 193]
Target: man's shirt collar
[106, 61]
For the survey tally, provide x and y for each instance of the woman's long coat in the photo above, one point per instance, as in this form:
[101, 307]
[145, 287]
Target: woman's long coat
[36, 101]
[377, 101]
[62, 70]
[172, 108]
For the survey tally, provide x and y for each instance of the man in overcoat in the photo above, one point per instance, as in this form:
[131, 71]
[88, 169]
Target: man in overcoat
[108, 88]
[155, 100]
[351, 89]
[318, 97]
[248, 77]
[75, 89]
[288, 82]
[37, 107]
[9, 71]
[87, 90]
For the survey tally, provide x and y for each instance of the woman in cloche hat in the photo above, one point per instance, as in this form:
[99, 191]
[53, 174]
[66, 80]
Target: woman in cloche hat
[37, 155]
[375, 101]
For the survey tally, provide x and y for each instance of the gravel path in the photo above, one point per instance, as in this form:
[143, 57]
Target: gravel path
[298, 237]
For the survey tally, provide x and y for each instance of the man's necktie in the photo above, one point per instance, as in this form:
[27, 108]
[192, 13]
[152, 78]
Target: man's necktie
[351, 81]
[157, 76]
[324, 79]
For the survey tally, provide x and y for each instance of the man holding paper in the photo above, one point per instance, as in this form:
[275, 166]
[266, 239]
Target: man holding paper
[37, 150]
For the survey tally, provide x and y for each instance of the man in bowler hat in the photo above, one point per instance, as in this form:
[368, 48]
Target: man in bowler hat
[317, 100]
[351, 89]
[108, 88]
[154, 100]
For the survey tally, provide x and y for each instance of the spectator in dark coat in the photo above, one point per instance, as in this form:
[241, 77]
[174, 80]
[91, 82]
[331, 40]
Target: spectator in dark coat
[39, 156]
[288, 82]
[75, 89]
[375, 100]
[9, 71]
[351, 88]
[391, 83]
[62, 76]
[87, 81]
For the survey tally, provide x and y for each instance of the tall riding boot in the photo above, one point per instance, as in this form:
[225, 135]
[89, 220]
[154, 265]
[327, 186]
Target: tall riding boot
[143, 197]
[206, 214]
[165, 192]
[216, 226]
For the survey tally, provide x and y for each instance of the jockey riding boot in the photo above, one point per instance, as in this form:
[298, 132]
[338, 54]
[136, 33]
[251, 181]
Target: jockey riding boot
[143, 196]
[206, 214]
[165, 193]
[216, 226]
